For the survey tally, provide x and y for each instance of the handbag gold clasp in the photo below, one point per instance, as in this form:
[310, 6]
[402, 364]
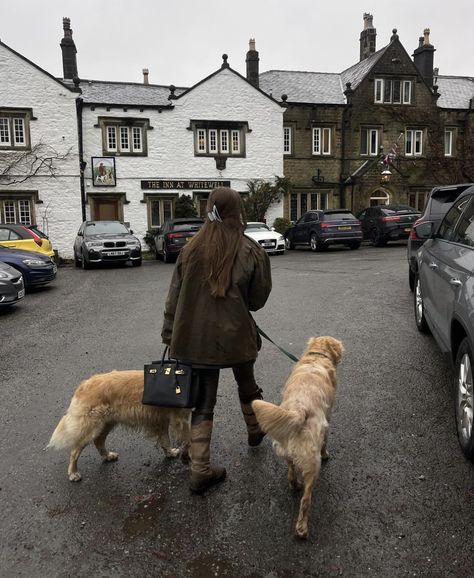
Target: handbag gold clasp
[167, 370]
[178, 389]
[179, 372]
[152, 371]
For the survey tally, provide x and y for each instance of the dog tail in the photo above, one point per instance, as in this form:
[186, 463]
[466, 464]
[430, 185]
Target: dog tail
[61, 437]
[277, 421]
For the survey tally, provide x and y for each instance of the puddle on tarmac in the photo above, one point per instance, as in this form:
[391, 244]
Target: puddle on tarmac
[145, 516]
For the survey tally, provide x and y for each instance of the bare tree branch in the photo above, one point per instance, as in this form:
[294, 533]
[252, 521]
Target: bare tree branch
[19, 166]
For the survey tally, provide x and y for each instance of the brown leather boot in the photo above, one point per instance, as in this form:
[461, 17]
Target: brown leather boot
[255, 434]
[203, 476]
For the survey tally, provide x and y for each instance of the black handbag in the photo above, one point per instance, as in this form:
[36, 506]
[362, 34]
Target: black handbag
[170, 383]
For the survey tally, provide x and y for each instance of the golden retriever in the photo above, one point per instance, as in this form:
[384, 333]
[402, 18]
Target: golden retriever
[299, 426]
[109, 399]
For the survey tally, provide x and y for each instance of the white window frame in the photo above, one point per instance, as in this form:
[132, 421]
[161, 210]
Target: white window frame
[165, 211]
[15, 211]
[14, 133]
[137, 143]
[212, 138]
[321, 145]
[213, 144]
[111, 138]
[224, 141]
[381, 86]
[287, 140]
[378, 90]
[124, 133]
[406, 91]
[371, 149]
[235, 141]
[201, 142]
[448, 142]
[413, 142]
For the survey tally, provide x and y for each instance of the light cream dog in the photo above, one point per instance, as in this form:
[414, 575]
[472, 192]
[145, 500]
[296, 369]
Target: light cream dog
[109, 399]
[299, 426]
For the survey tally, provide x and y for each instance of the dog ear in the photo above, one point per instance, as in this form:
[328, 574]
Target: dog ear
[337, 349]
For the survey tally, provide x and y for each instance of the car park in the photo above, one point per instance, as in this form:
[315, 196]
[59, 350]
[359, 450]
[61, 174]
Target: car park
[99, 242]
[384, 223]
[36, 269]
[437, 205]
[270, 240]
[12, 288]
[444, 301]
[25, 238]
[173, 235]
[322, 228]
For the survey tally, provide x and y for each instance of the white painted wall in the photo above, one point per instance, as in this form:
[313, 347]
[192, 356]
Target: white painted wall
[224, 96]
[25, 86]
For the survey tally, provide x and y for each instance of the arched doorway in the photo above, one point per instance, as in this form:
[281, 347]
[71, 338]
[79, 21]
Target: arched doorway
[379, 197]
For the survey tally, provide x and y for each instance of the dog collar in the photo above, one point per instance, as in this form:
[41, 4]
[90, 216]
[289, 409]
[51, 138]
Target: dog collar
[319, 353]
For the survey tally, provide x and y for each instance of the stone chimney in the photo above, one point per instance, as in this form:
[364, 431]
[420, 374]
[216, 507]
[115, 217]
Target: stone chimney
[145, 75]
[424, 57]
[252, 63]
[367, 37]
[69, 51]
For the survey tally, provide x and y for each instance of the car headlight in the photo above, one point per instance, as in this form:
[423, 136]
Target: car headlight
[133, 244]
[36, 263]
[90, 244]
[3, 275]
[281, 238]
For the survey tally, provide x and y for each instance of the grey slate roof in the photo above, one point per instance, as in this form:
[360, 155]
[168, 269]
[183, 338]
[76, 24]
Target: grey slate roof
[455, 91]
[317, 87]
[98, 91]
[356, 73]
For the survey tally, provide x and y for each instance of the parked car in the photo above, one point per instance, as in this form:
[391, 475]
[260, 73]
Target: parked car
[106, 242]
[269, 239]
[24, 237]
[320, 229]
[384, 223]
[36, 269]
[173, 236]
[12, 288]
[437, 205]
[444, 301]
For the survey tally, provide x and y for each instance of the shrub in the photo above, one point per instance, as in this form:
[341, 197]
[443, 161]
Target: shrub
[149, 238]
[281, 225]
[184, 207]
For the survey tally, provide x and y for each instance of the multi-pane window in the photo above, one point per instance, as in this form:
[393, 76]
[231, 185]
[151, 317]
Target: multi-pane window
[369, 141]
[287, 140]
[124, 136]
[413, 142]
[14, 129]
[307, 201]
[218, 138]
[392, 90]
[448, 142]
[321, 141]
[15, 211]
[160, 211]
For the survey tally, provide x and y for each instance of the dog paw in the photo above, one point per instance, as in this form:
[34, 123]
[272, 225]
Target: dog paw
[301, 532]
[75, 477]
[111, 457]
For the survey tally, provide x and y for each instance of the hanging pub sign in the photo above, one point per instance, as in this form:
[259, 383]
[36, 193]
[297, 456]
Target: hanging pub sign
[191, 185]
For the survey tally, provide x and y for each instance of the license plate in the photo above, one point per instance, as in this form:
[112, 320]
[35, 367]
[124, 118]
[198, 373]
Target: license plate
[115, 253]
[267, 244]
[344, 228]
[408, 230]
[21, 293]
[55, 268]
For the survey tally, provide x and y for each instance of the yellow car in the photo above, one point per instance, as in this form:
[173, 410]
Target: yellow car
[22, 237]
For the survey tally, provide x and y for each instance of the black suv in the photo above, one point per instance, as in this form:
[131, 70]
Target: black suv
[384, 223]
[173, 236]
[319, 229]
[437, 204]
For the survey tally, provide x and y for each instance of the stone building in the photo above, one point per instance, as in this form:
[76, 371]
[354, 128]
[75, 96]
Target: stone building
[385, 130]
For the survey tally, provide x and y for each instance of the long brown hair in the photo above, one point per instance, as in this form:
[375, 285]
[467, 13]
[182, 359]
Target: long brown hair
[213, 250]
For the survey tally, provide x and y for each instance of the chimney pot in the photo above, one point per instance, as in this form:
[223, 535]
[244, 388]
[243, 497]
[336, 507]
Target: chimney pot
[426, 37]
[252, 61]
[145, 75]
[367, 37]
[69, 51]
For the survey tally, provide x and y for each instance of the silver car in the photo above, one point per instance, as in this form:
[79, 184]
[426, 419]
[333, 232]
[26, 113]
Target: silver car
[12, 288]
[444, 300]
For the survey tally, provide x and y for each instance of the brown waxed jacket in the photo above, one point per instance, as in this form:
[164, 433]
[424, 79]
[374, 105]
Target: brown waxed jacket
[219, 331]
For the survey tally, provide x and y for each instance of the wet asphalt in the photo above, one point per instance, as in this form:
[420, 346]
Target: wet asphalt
[395, 499]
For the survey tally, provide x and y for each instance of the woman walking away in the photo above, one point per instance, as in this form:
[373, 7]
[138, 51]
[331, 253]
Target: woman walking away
[220, 276]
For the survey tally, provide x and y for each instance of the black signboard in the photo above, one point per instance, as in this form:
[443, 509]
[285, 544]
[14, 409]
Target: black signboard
[190, 185]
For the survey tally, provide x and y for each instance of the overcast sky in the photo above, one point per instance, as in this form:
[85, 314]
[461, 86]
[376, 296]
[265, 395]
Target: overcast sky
[182, 41]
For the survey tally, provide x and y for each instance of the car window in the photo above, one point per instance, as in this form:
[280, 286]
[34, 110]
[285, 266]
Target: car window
[105, 227]
[338, 216]
[193, 226]
[8, 235]
[446, 229]
[362, 215]
[465, 231]
[257, 227]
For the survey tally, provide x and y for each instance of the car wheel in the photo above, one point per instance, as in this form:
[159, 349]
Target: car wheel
[411, 279]
[289, 244]
[136, 263]
[354, 245]
[377, 239]
[166, 256]
[464, 398]
[84, 263]
[77, 262]
[420, 319]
